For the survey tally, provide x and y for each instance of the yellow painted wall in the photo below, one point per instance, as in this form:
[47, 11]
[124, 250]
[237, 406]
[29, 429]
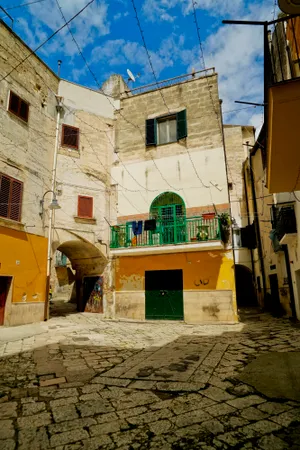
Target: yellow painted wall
[24, 257]
[201, 270]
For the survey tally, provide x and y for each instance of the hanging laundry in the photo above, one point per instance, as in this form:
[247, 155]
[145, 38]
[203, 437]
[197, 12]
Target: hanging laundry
[150, 225]
[137, 227]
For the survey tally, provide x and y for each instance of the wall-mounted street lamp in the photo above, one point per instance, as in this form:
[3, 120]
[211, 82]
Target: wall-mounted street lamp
[53, 205]
[289, 6]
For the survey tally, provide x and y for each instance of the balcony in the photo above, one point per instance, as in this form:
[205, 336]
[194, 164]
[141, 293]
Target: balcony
[284, 224]
[192, 234]
[282, 98]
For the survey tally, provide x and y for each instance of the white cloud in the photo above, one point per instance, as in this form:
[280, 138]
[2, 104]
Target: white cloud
[163, 10]
[119, 15]
[89, 25]
[119, 52]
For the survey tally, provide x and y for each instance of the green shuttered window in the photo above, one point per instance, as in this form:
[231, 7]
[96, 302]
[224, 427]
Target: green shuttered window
[167, 129]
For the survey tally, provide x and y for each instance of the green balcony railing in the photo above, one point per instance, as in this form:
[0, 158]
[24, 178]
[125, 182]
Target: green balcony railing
[183, 230]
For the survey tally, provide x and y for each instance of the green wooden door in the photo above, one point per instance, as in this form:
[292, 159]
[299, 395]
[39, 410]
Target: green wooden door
[164, 294]
[173, 224]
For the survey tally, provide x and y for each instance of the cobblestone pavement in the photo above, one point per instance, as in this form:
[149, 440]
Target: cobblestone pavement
[83, 383]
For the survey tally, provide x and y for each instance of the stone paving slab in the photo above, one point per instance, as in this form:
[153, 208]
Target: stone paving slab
[144, 386]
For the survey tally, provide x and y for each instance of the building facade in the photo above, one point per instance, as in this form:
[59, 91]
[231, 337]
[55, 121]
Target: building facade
[27, 135]
[168, 258]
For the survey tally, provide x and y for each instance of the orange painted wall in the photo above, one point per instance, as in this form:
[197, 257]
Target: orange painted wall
[24, 257]
[201, 270]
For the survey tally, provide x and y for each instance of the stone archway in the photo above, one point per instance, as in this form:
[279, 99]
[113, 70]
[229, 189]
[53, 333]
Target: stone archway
[245, 290]
[87, 261]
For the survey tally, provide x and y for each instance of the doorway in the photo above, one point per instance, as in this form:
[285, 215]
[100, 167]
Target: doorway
[4, 288]
[275, 305]
[92, 294]
[164, 294]
[245, 290]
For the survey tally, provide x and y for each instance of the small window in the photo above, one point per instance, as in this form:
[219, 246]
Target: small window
[18, 107]
[164, 130]
[70, 136]
[85, 207]
[230, 186]
[237, 239]
[10, 198]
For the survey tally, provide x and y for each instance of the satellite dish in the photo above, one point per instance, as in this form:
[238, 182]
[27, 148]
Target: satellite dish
[131, 76]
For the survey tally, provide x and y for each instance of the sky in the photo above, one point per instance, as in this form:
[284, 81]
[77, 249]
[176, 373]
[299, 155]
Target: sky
[109, 38]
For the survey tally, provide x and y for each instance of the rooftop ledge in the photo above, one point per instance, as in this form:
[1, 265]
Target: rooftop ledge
[172, 248]
[170, 82]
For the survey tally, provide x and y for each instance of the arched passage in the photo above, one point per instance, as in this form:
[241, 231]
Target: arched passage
[245, 290]
[88, 262]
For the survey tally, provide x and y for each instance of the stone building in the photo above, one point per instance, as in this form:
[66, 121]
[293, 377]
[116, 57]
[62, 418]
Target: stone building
[169, 261]
[143, 229]
[27, 131]
[45, 154]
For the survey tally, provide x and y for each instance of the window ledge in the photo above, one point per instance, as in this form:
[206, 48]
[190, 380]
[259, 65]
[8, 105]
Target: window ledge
[8, 223]
[91, 220]
[19, 119]
[68, 151]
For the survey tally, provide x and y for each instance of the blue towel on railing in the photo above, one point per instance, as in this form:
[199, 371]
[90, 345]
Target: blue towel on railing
[137, 227]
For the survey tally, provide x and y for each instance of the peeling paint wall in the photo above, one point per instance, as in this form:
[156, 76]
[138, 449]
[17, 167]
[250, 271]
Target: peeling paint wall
[208, 284]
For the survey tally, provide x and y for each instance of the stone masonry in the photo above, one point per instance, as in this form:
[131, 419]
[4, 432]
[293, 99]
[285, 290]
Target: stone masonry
[82, 383]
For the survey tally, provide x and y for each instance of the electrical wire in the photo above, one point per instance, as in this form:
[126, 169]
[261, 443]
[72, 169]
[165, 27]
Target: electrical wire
[148, 53]
[47, 40]
[24, 4]
[98, 84]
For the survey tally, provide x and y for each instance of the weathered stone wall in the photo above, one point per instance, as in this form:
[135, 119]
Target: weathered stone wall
[26, 149]
[200, 99]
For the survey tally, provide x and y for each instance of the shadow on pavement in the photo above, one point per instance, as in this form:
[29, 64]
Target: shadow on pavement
[184, 395]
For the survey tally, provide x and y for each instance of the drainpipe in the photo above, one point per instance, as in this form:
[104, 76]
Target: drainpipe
[257, 228]
[59, 109]
[248, 219]
[229, 202]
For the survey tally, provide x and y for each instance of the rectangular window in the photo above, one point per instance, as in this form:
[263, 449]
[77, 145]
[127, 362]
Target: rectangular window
[11, 191]
[18, 107]
[85, 207]
[70, 136]
[167, 130]
[164, 130]
[237, 241]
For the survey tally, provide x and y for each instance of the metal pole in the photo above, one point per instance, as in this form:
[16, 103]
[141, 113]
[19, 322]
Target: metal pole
[51, 214]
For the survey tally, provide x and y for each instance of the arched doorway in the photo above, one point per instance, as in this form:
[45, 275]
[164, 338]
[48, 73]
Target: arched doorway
[88, 264]
[245, 290]
[169, 210]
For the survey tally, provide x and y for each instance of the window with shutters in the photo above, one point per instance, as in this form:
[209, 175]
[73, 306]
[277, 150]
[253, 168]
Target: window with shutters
[10, 197]
[70, 137]
[85, 207]
[167, 129]
[18, 106]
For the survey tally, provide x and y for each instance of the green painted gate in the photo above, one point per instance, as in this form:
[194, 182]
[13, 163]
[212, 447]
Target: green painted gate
[164, 294]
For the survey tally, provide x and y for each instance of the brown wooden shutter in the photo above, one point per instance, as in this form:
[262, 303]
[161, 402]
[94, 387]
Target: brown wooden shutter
[15, 200]
[70, 136]
[18, 106]
[10, 197]
[85, 207]
[4, 195]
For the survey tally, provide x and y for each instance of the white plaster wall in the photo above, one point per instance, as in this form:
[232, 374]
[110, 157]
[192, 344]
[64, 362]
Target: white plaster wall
[89, 100]
[144, 182]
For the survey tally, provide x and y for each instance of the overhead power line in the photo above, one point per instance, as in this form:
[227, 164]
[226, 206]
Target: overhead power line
[47, 40]
[24, 4]
[148, 53]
